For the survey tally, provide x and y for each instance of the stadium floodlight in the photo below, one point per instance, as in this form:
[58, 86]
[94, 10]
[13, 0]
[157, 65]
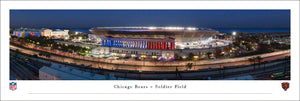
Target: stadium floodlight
[234, 33]
[152, 28]
[191, 28]
[174, 28]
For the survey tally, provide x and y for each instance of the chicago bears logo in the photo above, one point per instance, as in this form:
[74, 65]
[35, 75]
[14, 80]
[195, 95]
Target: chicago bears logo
[13, 86]
[285, 85]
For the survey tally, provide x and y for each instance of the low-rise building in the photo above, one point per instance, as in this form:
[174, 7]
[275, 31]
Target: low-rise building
[62, 34]
[27, 32]
[56, 34]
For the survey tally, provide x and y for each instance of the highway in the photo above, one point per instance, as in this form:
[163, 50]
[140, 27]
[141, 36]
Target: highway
[150, 65]
[258, 73]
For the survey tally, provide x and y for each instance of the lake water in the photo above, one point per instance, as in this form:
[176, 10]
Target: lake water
[222, 30]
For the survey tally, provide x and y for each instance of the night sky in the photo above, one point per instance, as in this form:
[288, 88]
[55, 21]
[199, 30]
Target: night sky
[184, 18]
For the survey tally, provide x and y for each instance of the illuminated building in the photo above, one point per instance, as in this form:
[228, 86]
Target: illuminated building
[42, 32]
[56, 33]
[163, 42]
[27, 32]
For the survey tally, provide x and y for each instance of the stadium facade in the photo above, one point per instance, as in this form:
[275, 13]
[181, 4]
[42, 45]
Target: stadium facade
[154, 42]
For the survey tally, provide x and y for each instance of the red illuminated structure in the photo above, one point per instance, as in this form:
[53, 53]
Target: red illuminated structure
[161, 44]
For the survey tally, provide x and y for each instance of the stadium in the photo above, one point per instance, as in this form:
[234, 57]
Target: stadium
[155, 42]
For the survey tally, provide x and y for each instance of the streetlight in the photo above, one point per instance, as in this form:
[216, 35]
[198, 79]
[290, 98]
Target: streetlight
[143, 57]
[114, 54]
[80, 38]
[66, 38]
[154, 58]
[234, 34]
[169, 59]
[195, 58]
[123, 55]
[133, 55]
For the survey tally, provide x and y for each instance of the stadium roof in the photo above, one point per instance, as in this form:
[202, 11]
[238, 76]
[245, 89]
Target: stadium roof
[152, 29]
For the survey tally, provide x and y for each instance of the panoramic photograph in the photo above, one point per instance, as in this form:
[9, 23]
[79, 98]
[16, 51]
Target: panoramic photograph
[149, 44]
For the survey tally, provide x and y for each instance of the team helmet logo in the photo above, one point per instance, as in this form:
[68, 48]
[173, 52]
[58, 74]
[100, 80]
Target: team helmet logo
[285, 85]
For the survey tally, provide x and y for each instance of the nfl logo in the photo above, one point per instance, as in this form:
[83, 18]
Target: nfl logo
[13, 86]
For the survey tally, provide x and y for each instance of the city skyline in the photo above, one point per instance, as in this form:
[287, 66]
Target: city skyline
[150, 45]
[186, 18]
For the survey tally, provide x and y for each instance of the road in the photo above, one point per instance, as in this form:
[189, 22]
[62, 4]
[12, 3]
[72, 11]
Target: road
[149, 65]
[270, 67]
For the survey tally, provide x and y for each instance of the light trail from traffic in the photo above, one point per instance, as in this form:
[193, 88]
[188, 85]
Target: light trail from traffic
[149, 65]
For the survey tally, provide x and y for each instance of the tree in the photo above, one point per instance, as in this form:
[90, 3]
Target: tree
[35, 56]
[259, 58]
[264, 48]
[17, 51]
[71, 33]
[248, 47]
[41, 53]
[218, 52]
[191, 56]
[176, 57]
[236, 43]
[252, 59]
[48, 55]
[208, 54]
[286, 59]
[189, 66]
[227, 48]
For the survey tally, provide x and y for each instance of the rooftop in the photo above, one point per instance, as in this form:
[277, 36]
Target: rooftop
[36, 30]
[28, 30]
[69, 73]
